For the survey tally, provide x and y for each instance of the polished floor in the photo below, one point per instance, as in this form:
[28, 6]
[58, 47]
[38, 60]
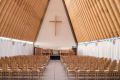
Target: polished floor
[55, 71]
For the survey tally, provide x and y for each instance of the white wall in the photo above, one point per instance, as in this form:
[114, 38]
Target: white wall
[101, 48]
[7, 48]
[64, 37]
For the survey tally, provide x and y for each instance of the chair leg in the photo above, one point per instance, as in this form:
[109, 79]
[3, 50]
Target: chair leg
[10, 75]
[0, 75]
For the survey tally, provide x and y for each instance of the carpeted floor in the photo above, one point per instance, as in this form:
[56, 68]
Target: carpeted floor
[55, 71]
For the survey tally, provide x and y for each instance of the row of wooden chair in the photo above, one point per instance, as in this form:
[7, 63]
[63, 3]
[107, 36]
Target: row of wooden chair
[67, 54]
[91, 68]
[23, 67]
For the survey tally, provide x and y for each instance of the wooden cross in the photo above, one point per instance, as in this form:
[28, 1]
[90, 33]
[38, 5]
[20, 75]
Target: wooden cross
[56, 22]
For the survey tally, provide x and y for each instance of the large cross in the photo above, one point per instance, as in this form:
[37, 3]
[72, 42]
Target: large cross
[56, 22]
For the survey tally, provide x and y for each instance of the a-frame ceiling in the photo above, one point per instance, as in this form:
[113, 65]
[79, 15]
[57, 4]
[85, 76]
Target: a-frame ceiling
[94, 19]
[91, 19]
[20, 19]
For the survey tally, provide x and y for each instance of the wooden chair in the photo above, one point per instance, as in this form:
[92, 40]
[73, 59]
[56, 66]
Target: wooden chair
[6, 71]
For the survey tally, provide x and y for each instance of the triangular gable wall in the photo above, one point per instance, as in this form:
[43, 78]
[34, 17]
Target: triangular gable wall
[64, 37]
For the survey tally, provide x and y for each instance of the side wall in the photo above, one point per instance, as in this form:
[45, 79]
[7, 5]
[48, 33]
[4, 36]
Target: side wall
[13, 48]
[109, 48]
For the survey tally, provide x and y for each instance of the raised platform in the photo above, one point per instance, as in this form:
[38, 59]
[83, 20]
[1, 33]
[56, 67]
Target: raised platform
[55, 57]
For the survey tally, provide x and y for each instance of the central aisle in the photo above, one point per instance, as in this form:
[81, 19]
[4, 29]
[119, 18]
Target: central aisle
[55, 71]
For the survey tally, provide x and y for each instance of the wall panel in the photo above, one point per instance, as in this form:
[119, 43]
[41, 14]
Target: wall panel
[108, 48]
[10, 47]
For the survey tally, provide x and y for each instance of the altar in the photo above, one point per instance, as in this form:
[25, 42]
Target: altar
[55, 55]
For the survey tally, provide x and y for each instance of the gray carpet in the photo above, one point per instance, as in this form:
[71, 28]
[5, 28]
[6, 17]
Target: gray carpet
[55, 71]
